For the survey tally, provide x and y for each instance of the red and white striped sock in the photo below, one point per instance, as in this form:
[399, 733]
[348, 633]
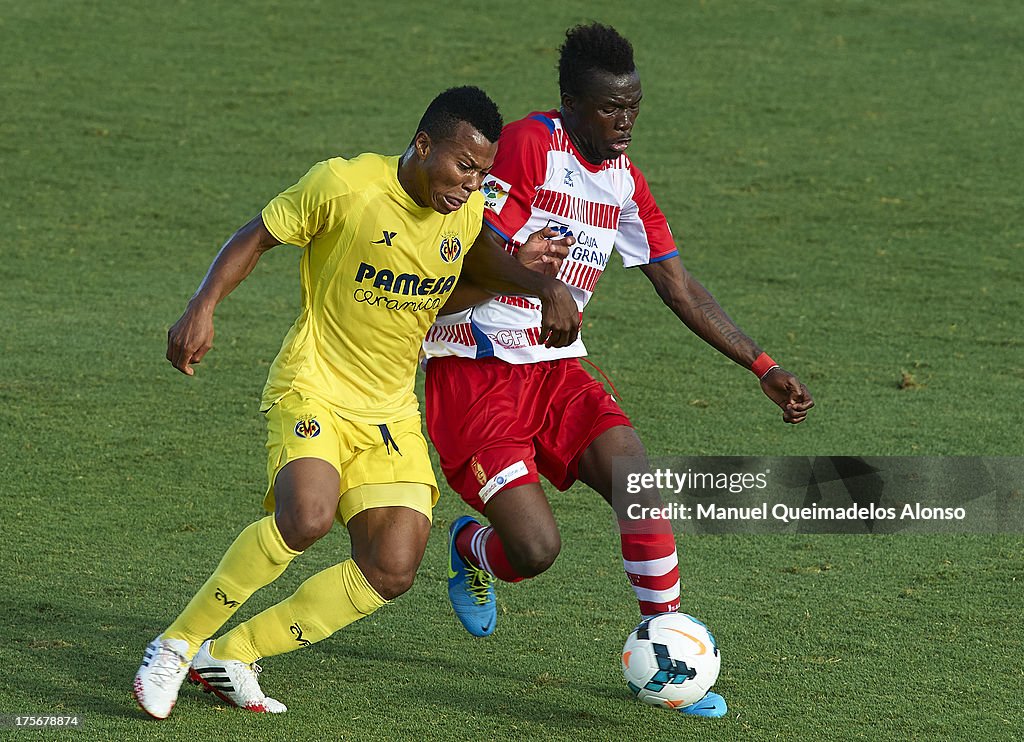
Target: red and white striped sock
[651, 564]
[481, 546]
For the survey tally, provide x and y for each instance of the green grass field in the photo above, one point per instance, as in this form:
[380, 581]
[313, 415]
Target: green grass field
[844, 176]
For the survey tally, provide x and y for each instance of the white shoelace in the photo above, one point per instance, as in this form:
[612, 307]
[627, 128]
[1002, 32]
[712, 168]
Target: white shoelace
[167, 665]
[249, 682]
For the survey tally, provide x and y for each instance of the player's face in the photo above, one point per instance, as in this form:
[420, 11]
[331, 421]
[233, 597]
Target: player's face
[600, 121]
[453, 168]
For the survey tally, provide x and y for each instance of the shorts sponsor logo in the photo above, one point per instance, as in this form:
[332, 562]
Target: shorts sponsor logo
[495, 192]
[502, 478]
[307, 427]
[478, 470]
[451, 248]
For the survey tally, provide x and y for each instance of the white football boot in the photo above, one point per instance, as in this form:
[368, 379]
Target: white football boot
[234, 682]
[164, 667]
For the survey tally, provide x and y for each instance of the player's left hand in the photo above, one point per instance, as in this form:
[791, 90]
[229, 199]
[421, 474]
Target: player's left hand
[560, 316]
[545, 249]
[787, 391]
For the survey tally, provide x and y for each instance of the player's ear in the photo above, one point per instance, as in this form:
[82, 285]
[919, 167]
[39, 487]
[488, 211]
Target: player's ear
[422, 144]
[568, 102]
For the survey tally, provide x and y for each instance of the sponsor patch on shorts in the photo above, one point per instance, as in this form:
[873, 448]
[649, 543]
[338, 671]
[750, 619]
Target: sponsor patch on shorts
[502, 478]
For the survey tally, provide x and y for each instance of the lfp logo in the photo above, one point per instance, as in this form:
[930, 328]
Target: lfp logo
[451, 248]
[495, 192]
[307, 427]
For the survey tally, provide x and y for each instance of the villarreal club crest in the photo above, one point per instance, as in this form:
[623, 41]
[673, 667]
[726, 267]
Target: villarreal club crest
[307, 427]
[451, 248]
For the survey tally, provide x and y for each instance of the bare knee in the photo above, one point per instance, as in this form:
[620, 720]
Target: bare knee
[536, 554]
[300, 530]
[388, 545]
[306, 492]
[390, 580]
[522, 519]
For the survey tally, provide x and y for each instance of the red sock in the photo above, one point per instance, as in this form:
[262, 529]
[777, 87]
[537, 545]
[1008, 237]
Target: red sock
[481, 547]
[651, 564]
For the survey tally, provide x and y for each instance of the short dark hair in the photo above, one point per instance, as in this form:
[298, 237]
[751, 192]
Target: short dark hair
[589, 48]
[467, 103]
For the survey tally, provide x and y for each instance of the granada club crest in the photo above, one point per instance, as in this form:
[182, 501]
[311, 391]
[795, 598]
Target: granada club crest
[478, 470]
[307, 427]
[451, 248]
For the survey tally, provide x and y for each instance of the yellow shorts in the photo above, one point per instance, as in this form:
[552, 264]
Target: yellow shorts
[370, 459]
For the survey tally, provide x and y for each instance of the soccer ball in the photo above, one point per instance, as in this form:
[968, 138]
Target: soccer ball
[670, 660]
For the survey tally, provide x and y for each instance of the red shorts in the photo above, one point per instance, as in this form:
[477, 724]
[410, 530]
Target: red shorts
[498, 424]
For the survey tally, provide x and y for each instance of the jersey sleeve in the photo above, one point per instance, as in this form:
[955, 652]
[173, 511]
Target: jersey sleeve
[519, 170]
[299, 213]
[644, 235]
[472, 220]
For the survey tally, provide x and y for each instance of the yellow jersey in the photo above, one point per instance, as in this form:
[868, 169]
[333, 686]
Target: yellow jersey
[375, 269]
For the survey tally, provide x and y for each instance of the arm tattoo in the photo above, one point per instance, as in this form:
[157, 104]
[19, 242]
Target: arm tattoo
[710, 322]
[716, 318]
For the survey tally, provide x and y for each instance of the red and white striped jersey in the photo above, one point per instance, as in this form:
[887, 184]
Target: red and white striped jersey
[539, 180]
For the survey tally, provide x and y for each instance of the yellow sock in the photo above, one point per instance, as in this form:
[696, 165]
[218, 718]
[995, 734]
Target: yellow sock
[324, 603]
[257, 557]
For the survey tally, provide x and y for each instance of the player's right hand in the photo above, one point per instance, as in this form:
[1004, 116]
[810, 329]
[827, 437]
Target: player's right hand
[789, 393]
[189, 339]
[545, 249]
